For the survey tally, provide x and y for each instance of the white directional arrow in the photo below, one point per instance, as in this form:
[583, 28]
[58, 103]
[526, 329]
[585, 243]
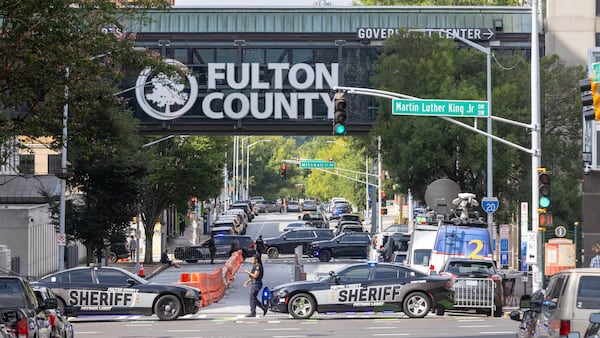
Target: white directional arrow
[489, 34]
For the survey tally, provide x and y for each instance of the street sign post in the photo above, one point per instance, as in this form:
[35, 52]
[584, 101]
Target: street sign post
[318, 164]
[490, 204]
[451, 108]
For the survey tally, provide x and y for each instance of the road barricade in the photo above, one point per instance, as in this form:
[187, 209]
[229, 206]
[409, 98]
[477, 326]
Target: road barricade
[210, 284]
[232, 266]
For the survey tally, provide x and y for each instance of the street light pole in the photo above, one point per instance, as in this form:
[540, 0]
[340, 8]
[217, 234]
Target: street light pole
[248, 165]
[488, 53]
[63, 178]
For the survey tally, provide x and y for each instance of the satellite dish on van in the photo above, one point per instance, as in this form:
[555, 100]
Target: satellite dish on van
[440, 194]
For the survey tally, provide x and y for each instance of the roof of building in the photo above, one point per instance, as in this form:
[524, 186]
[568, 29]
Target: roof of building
[28, 189]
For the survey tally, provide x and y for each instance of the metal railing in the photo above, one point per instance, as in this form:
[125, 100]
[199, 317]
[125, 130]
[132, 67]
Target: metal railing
[474, 293]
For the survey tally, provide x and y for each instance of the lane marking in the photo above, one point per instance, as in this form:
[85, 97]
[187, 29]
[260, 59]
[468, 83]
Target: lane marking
[390, 334]
[282, 329]
[380, 328]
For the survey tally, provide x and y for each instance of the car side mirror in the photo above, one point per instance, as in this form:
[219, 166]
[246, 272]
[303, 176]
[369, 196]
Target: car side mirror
[516, 315]
[50, 303]
[284, 238]
[130, 281]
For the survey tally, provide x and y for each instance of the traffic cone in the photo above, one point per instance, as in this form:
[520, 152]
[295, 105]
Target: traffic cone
[141, 272]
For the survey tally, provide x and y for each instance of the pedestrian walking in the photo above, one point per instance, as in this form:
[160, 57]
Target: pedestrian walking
[234, 246]
[595, 262]
[212, 248]
[181, 227]
[260, 246]
[256, 276]
[132, 248]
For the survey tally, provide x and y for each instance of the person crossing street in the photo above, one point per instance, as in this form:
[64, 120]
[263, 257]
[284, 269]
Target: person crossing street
[256, 275]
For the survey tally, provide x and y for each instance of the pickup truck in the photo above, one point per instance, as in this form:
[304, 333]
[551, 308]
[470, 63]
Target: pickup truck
[21, 310]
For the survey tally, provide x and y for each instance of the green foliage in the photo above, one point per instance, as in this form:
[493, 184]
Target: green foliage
[180, 168]
[419, 150]
[42, 40]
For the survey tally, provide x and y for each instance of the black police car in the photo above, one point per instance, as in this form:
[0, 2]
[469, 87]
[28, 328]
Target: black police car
[365, 287]
[114, 291]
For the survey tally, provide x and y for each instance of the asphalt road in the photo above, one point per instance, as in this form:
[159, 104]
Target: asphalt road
[226, 318]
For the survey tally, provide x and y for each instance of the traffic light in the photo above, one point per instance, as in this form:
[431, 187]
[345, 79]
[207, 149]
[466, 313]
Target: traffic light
[339, 115]
[544, 179]
[283, 172]
[595, 99]
[546, 220]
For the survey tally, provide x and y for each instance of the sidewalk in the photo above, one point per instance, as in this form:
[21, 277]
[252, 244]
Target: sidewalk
[154, 268]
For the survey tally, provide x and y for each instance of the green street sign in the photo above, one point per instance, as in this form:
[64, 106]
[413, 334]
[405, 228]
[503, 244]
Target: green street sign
[311, 164]
[452, 108]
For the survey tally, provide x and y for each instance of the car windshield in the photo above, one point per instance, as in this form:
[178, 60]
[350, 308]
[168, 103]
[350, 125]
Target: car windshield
[11, 295]
[467, 268]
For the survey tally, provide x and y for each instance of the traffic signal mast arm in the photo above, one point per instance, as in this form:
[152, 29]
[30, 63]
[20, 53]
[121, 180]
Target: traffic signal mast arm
[392, 95]
[335, 172]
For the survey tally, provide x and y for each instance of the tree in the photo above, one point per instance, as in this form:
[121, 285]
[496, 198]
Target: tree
[43, 41]
[418, 150]
[180, 169]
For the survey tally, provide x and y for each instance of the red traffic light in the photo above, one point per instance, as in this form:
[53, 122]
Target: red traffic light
[283, 167]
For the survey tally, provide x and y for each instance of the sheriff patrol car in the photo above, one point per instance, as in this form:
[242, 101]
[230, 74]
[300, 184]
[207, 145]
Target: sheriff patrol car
[110, 290]
[365, 287]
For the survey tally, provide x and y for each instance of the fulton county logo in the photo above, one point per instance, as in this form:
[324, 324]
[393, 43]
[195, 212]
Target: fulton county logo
[165, 97]
[261, 91]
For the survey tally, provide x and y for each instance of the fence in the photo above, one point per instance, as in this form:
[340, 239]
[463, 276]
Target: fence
[474, 293]
[213, 285]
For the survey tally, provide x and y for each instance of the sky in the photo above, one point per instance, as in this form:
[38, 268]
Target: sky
[258, 3]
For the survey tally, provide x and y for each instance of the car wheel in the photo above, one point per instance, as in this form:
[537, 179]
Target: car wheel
[273, 252]
[440, 311]
[60, 306]
[325, 256]
[302, 306]
[112, 257]
[167, 307]
[416, 305]
[191, 260]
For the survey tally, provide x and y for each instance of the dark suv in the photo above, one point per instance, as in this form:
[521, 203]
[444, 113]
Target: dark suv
[477, 285]
[289, 240]
[192, 254]
[348, 244]
[19, 307]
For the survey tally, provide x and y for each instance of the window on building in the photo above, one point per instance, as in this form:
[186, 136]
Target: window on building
[54, 163]
[26, 164]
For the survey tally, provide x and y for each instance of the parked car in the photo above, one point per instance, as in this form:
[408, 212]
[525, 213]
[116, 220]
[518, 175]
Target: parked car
[295, 225]
[247, 209]
[349, 226]
[230, 222]
[565, 307]
[289, 240]
[61, 327]
[21, 308]
[317, 219]
[107, 290]
[340, 209]
[273, 206]
[118, 251]
[348, 245]
[593, 329]
[309, 205]
[194, 253]
[293, 206]
[364, 288]
[396, 228]
[477, 285]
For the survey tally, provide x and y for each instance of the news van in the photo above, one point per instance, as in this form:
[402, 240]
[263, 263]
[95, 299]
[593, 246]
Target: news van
[420, 247]
[466, 241]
